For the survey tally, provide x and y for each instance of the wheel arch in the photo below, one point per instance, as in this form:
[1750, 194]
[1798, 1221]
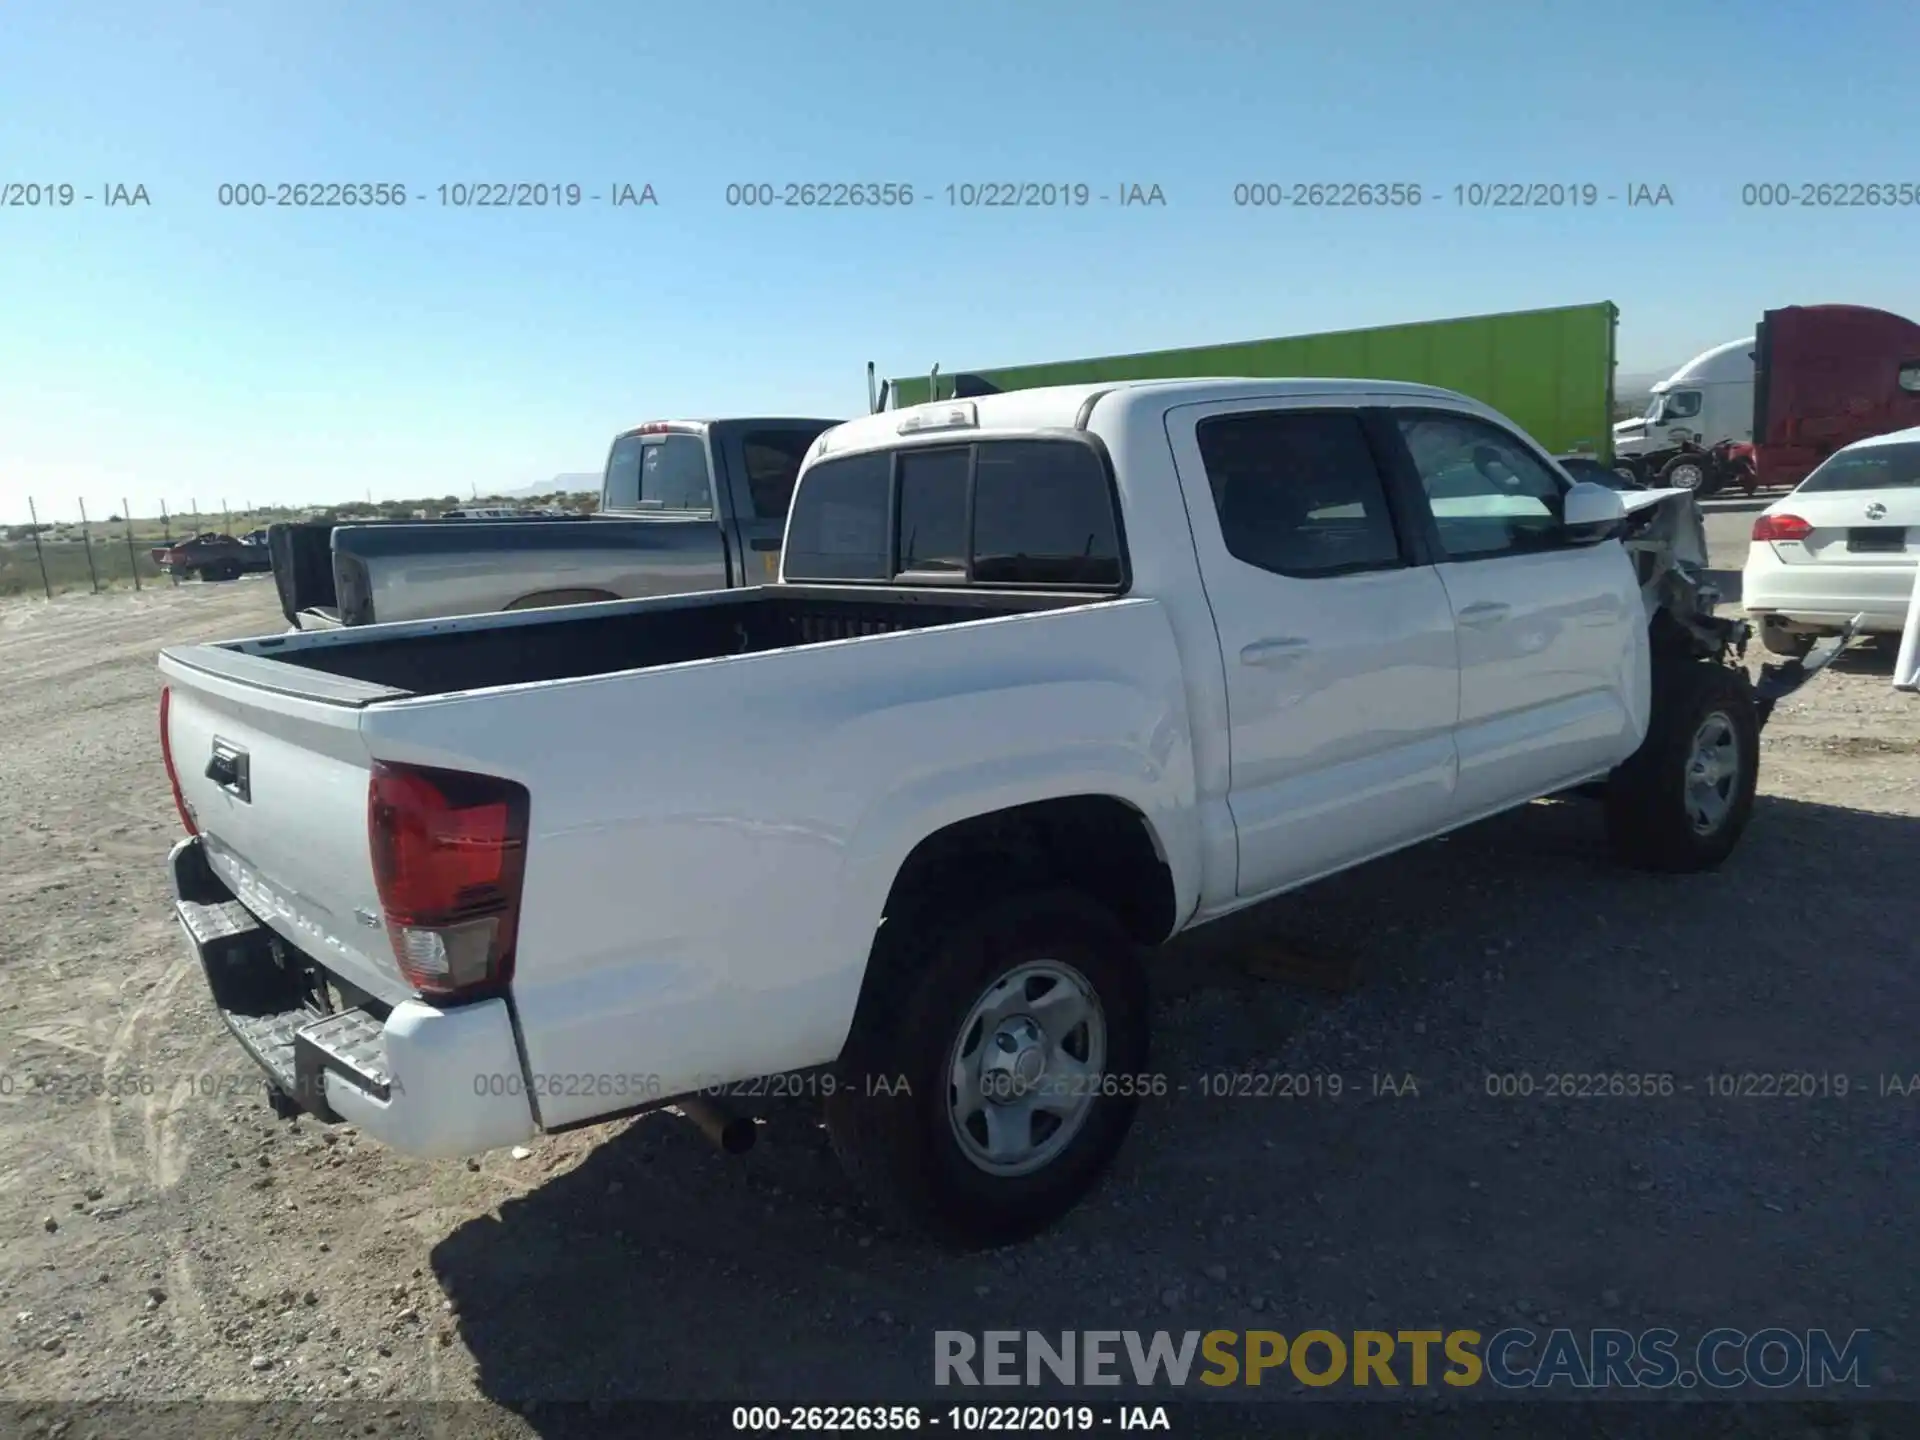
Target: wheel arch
[1099, 844]
[1102, 844]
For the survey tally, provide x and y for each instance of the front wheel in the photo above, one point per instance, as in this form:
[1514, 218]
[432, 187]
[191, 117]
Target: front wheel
[1682, 800]
[1686, 472]
[991, 1081]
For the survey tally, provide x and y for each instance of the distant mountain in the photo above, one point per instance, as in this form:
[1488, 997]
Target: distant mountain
[580, 483]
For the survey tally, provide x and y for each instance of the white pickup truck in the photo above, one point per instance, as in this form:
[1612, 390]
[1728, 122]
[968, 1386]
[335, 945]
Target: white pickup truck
[1047, 677]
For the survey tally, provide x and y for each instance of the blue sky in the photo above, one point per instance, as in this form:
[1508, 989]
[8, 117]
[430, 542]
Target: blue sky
[189, 350]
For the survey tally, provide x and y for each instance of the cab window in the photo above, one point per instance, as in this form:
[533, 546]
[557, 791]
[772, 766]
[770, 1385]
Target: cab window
[1028, 513]
[1298, 492]
[773, 459]
[1489, 493]
[658, 472]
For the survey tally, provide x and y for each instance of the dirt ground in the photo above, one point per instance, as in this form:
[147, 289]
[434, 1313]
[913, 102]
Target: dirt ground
[162, 1236]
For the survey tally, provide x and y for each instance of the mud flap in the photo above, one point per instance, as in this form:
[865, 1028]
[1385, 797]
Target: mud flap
[1780, 680]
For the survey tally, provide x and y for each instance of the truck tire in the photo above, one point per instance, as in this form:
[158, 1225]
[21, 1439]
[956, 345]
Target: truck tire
[1689, 472]
[1037, 999]
[1681, 801]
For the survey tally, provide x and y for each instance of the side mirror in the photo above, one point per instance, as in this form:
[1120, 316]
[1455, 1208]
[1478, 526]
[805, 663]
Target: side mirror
[1593, 512]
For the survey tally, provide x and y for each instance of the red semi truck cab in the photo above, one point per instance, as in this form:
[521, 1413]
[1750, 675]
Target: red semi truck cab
[1825, 376]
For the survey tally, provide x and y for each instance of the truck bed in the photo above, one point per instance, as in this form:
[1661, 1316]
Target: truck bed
[572, 642]
[760, 805]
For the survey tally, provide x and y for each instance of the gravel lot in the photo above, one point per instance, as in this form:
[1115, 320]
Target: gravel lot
[175, 1241]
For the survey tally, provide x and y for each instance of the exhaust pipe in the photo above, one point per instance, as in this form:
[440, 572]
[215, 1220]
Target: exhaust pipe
[734, 1134]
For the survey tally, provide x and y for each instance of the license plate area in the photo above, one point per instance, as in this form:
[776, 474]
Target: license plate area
[1877, 539]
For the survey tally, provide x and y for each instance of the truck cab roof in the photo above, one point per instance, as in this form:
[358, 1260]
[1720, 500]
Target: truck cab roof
[1732, 360]
[1069, 407]
[701, 426]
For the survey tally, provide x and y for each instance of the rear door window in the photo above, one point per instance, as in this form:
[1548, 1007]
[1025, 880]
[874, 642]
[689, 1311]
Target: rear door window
[1298, 492]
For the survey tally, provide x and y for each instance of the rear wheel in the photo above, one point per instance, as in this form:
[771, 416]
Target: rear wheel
[996, 1067]
[1681, 802]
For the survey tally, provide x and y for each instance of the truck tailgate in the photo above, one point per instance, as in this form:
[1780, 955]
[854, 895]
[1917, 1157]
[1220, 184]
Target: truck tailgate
[277, 784]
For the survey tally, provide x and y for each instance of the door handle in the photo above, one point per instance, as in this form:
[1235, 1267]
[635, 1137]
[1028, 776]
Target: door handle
[1486, 612]
[1277, 651]
[228, 768]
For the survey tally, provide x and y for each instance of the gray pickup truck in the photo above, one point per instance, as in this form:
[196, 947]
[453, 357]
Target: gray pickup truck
[685, 505]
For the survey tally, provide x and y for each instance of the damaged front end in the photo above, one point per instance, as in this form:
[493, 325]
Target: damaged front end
[1667, 537]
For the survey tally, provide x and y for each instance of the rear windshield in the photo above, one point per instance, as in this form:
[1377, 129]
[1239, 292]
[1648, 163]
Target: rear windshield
[1874, 467]
[658, 472]
[1001, 512]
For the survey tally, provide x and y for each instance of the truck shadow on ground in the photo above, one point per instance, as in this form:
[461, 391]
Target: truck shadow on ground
[657, 1268]
[1868, 657]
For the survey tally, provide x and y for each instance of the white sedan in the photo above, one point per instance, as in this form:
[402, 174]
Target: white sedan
[1844, 542]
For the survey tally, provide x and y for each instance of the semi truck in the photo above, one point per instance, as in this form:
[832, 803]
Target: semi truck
[1550, 370]
[1765, 410]
[1824, 377]
[1708, 401]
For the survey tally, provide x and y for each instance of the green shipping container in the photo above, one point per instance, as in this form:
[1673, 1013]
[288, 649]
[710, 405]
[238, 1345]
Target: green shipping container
[1549, 371]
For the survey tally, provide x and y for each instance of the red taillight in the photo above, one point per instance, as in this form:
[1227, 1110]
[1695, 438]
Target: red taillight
[449, 852]
[166, 757]
[1781, 527]
[652, 427]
